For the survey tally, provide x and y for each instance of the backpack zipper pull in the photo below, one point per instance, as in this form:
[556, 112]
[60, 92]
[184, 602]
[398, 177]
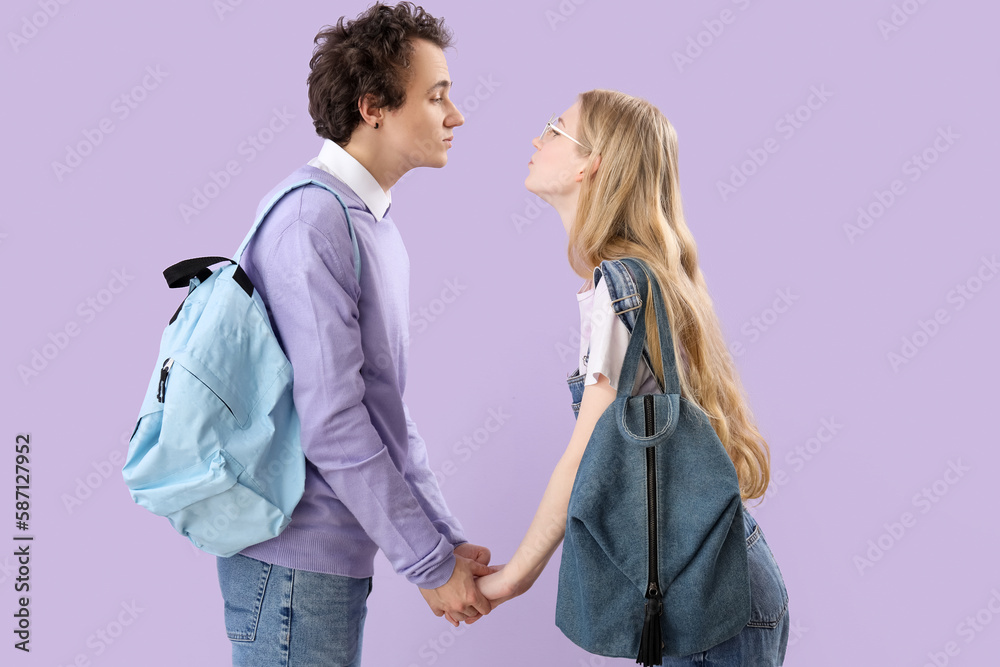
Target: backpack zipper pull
[651, 643]
[161, 391]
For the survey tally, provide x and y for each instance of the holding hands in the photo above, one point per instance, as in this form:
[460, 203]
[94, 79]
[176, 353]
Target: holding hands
[459, 599]
[475, 587]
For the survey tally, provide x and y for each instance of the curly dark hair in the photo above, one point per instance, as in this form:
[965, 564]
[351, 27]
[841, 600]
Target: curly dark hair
[369, 55]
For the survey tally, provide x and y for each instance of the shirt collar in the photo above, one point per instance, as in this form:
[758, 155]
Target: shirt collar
[336, 161]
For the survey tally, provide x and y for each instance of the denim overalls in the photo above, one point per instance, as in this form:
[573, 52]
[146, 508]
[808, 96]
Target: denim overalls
[763, 640]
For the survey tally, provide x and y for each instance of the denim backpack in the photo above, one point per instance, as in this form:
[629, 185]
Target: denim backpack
[216, 448]
[654, 560]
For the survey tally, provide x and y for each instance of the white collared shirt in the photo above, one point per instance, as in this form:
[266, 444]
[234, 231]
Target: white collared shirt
[336, 161]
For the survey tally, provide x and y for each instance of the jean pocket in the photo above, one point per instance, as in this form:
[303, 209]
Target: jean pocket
[243, 581]
[768, 597]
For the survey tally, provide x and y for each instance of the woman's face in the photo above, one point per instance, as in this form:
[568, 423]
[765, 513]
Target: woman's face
[556, 168]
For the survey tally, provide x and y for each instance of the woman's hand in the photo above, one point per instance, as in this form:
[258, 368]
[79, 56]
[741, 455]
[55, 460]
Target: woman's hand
[496, 586]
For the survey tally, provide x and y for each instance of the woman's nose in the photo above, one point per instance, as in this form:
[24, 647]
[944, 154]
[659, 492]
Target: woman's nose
[536, 143]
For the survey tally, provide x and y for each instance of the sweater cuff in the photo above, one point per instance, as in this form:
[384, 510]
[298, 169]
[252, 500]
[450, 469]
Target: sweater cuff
[451, 531]
[437, 576]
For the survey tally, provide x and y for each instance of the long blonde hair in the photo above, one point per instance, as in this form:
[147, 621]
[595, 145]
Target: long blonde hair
[631, 207]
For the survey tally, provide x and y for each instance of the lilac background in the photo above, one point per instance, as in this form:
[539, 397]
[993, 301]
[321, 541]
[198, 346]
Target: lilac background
[508, 340]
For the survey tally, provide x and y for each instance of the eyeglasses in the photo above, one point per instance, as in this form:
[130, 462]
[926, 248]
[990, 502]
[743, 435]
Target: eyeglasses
[550, 132]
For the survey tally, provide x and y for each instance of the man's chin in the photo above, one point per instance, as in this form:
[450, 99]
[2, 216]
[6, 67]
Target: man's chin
[432, 163]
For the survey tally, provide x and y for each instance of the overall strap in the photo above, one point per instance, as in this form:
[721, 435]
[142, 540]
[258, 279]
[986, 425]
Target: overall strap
[277, 197]
[671, 381]
[621, 288]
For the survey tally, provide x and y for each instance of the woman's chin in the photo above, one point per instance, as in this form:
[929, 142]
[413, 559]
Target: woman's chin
[530, 186]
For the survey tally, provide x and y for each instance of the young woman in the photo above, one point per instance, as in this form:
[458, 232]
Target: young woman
[608, 166]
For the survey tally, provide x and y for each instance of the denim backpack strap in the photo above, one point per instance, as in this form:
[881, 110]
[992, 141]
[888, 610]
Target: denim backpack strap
[625, 297]
[642, 277]
[622, 288]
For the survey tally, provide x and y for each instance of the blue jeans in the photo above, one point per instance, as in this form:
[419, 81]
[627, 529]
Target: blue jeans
[279, 617]
[762, 642]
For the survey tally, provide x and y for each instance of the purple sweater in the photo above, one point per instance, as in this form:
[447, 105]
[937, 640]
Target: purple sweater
[368, 484]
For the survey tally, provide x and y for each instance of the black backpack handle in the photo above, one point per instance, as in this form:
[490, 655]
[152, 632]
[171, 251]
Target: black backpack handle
[181, 273]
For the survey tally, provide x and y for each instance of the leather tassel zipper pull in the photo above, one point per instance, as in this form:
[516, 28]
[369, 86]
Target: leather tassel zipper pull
[651, 643]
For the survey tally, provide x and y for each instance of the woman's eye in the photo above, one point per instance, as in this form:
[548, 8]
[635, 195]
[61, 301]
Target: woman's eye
[438, 99]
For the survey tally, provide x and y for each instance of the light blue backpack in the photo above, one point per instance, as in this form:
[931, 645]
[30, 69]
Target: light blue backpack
[216, 448]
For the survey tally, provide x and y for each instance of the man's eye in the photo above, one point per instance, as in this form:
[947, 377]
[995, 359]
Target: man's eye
[437, 99]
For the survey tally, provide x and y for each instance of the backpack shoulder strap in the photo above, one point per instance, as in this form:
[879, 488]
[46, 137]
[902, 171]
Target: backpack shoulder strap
[624, 288]
[284, 191]
[621, 286]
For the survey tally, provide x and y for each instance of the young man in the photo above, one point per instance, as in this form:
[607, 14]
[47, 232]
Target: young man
[378, 95]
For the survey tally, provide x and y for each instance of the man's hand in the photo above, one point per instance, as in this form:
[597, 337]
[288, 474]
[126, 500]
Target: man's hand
[480, 555]
[474, 551]
[459, 599]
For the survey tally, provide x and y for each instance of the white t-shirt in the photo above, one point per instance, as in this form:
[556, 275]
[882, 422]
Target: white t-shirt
[608, 338]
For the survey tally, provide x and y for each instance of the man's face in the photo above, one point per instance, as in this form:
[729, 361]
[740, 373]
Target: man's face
[419, 130]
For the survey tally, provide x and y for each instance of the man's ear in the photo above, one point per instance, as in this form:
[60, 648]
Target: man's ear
[370, 114]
